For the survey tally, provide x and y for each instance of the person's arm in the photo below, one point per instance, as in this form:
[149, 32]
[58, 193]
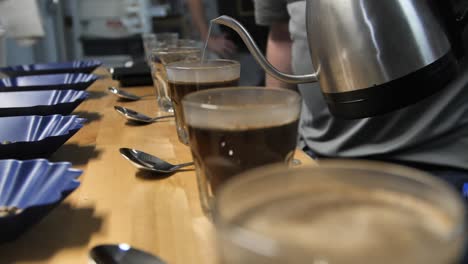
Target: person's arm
[279, 53]
[217, 43]
[275, 15]
[198, 17]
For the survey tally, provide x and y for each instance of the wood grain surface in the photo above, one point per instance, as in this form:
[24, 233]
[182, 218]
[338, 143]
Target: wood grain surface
[117, 203]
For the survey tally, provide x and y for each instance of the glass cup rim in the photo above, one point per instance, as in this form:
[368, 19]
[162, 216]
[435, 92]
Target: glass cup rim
[153, 35]
[227, 64]
[170, 50]
[148, 35]
[168, 33]
[329, 164]
[186, 101]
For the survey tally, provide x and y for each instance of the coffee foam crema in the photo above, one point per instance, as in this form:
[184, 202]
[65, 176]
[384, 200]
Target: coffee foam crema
[356, 227]
[240, 121]
[243, 113]
[207, 72]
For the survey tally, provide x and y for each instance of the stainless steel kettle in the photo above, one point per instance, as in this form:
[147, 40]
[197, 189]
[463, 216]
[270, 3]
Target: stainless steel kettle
[371, 57]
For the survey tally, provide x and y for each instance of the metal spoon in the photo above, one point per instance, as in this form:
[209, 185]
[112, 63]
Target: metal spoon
[149, 162]
[121, 254]
[123, 94]
[138, 117]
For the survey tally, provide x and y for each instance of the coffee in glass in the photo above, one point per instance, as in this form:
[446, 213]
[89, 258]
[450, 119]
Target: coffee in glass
[232, 130]
[187, 50]
[186, 77]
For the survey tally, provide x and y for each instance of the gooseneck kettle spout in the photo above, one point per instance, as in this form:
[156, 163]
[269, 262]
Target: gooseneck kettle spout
[255, 51]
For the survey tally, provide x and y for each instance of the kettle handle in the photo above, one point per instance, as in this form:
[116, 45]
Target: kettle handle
[255, 51]
[463, 19]
[460, 21]
[454, 23]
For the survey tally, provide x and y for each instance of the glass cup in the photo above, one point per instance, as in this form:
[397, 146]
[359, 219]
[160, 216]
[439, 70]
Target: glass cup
[339, 212]
[152, 41]
[149, 42]
[168, 38]
[164, 55]
[155, 41]
[232, 130]
[181, 43]
[186, 77]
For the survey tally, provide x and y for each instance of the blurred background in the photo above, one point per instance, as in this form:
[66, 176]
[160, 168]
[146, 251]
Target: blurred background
[34, 31]
[108, 30]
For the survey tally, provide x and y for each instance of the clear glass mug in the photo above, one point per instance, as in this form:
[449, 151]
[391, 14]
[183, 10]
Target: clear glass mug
[152, 41]
[164, 55]
[339, 212]
[185, 77]
[232, 130]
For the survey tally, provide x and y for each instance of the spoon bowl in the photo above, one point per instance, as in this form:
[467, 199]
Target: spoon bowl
[123, 94]
[134, 116]
[121, 254]
[149, 162]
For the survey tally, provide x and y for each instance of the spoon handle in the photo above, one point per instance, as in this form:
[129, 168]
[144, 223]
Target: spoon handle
[161, 117]
[178, 166]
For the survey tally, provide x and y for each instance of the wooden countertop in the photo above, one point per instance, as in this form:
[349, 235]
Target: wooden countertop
[116, 203]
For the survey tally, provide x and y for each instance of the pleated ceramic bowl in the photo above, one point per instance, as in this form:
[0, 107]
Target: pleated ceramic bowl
[29, 190]
[65, 81]
[61, 102]
[85, 66]
[29, 137]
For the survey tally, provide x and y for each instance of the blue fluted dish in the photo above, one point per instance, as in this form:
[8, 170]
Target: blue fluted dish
[29, 137]
[60, 102]
[29, 190]
[66, 81]
[51, 68]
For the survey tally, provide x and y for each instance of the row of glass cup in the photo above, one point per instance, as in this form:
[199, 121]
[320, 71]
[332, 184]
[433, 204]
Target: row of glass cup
[340, 212]
[230, 129]
[161, 49]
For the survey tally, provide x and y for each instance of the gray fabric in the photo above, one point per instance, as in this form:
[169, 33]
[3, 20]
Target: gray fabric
[251, 72]
[434, 130]
[270, 11]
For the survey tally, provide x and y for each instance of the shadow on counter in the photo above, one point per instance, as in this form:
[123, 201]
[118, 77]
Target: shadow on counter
[93, 95]
[90, 116]
[64, 228]
[76, 154]
[155, 176]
